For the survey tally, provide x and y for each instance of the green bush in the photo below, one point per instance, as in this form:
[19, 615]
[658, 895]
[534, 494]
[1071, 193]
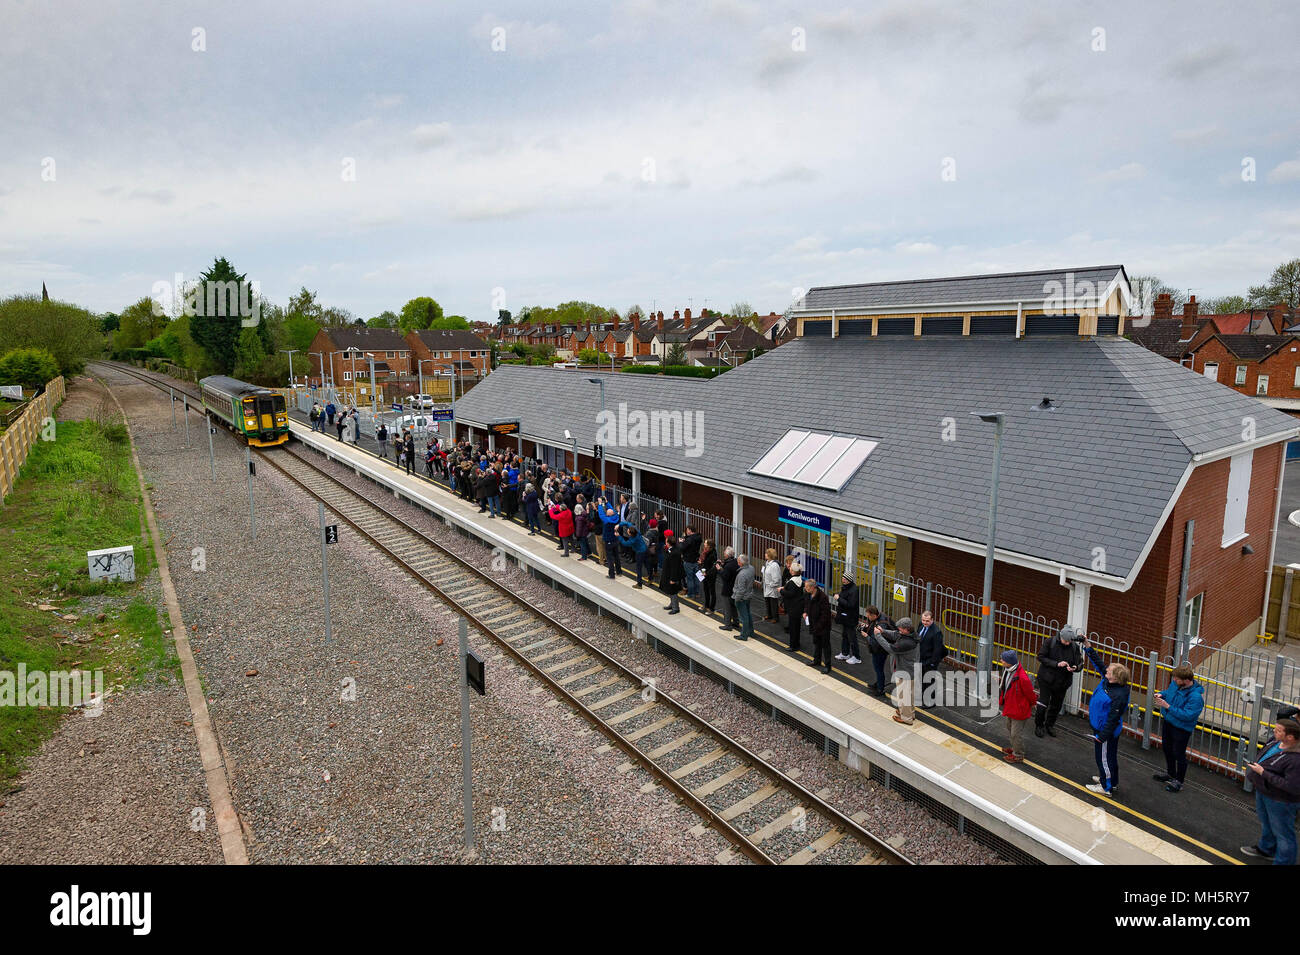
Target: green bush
[29, 367]
[681, 371]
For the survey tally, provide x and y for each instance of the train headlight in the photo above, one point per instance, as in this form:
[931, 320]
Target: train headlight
[249, 423]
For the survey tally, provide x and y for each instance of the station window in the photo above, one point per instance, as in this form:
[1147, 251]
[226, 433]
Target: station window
[1297, 377]
[347, 376]
[1241, 374]
[1261, 386]
[1192, 618]
[1212, 370]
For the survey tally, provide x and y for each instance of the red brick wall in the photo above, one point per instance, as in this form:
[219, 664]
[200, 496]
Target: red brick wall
[1280, 367]
[1233, 583]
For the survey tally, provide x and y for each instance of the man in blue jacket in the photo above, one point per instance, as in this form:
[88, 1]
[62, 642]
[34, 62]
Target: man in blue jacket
[1106, 715]
[1180, 705]
[609, 536]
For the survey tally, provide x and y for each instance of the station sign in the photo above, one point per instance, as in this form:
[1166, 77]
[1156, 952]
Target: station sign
[598, 452]
[395, 406]
[501, 428]
[331, 533]
[440, 414]
[799, 517]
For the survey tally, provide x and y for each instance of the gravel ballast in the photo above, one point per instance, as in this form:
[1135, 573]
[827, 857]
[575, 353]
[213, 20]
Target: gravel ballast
[350, 752]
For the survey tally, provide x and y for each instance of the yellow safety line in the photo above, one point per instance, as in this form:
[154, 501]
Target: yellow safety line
[1065, 780]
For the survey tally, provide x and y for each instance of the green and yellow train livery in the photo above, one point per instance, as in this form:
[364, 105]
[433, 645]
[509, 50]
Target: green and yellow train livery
[255, 412]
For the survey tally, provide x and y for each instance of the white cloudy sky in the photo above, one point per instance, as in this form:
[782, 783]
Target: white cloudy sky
[524, 169]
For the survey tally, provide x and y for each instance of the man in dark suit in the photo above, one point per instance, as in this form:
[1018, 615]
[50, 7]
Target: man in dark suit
[930, 636]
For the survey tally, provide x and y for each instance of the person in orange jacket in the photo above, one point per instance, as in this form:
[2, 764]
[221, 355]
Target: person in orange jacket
[1017, 700]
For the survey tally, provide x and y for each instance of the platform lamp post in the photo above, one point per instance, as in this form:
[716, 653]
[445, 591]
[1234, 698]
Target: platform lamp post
[371, 359]
[290, 354]
[321, 356]
[601, 382]
[984, 657]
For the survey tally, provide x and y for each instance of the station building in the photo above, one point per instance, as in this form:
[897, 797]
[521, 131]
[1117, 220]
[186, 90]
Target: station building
[861, 433]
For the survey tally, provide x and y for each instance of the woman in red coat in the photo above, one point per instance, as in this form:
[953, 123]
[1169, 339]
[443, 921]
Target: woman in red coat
[563, 518]
[1017, 700]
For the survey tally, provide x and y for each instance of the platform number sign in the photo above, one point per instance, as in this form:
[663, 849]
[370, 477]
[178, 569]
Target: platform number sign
[475, 672]
[598, 452]
[331, 533]
[252, 468]
[211, 430]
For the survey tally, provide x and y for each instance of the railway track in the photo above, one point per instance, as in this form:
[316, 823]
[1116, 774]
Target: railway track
[768, 816]
[718, 777]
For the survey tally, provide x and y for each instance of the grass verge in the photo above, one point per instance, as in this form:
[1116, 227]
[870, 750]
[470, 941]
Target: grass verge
[75, 494]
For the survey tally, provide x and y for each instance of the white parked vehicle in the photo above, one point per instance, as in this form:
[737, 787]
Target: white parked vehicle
[420, 401]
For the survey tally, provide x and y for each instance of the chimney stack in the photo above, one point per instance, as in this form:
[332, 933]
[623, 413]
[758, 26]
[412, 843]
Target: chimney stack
[636, 321]
[660, 318]
[1277, 317]
[616, 321]
[1189, 317]
[686, 320]
[1163, 307]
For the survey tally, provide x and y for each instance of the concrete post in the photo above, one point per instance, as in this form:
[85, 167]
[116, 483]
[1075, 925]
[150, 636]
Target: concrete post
[1077, 616]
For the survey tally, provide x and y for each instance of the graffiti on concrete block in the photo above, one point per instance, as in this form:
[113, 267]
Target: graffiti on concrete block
[112, 563]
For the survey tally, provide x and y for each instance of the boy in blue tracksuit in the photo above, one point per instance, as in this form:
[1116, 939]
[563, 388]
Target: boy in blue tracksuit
[1180, 705]
[1106, 716]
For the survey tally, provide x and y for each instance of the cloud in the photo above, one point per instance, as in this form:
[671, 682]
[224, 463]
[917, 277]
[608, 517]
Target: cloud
[1125, 173]
[431, 135]
[164, 197]
[387, 100]
[1288, 171]
[1042, 101]
[1201, 134]
[916, 248]
[793, 173]
[1197, 63]
[489, 208]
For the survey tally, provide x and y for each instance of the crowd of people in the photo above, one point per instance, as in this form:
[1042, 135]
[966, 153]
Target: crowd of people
[595, 525]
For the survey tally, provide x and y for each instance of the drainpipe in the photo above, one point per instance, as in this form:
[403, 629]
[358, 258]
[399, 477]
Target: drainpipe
[1076, 615]
[1183, 637]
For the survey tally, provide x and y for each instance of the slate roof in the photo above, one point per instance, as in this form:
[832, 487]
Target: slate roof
[1097, 472]
[1254, 347]
[450, 338]
[1164, 336]
[366, 338]
[1006, 287]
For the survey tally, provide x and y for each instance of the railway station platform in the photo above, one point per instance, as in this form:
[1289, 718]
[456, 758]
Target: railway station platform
[947, 762]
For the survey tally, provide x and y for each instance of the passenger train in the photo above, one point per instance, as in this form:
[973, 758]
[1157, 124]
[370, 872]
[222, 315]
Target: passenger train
[255, 412]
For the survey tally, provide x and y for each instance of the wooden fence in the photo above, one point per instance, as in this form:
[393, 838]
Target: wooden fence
[25, 431]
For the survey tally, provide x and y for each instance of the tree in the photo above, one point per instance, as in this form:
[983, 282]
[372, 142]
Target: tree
[676, 354]
[588, 356]
[451, 321]
[1146, 288]
[503, 316]
[68, 332]
[635, 310]
[419, 313]
[216, 325]
[304, 303]
[336, 317]
[109, 323]
[1282, 286]
[383, 320]
[741, 310]
[29, 367]
[139, 322]
[249, 355]
[1228, 305]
